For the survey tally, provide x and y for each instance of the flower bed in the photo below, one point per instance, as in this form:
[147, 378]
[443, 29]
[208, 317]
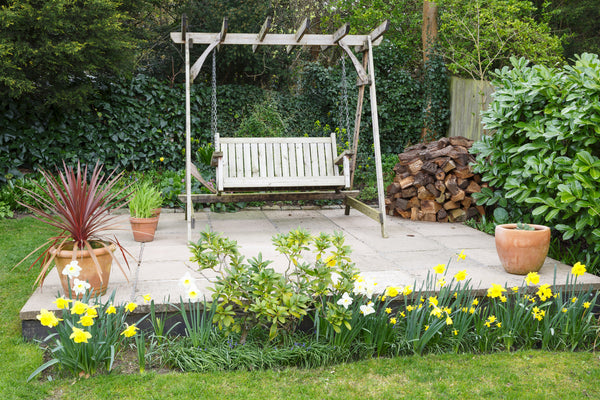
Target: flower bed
[318, 312]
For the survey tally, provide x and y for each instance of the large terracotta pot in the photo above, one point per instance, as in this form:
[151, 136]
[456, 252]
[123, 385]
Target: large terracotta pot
[520, 251]
[89, 271]
[143, 228]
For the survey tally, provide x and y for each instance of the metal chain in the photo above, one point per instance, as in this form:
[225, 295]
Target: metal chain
[344, 108]
[213, 114]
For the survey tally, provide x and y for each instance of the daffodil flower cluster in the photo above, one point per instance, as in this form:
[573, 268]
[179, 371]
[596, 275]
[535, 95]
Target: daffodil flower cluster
[87, 333]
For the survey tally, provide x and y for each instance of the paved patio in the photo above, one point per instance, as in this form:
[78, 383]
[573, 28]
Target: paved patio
[404, 258]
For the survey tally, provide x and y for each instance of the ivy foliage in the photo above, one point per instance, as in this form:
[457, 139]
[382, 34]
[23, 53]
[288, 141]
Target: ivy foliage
[132, 124]
[543, 154]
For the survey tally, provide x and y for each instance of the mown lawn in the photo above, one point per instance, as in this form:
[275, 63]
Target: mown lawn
[520, 375]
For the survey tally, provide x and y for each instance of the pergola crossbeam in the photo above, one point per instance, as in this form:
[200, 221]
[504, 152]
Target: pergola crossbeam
[263, 32]
[376, 36]
[299, 34]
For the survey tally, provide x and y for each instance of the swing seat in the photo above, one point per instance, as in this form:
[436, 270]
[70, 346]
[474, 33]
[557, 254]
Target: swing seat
[280, 163]
[275, 164]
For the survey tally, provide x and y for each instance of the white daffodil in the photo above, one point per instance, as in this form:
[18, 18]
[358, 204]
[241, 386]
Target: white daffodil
[186, 281]
[193, 293]
[79, 287]
[72, 269]
[345, 301]
[367, 309]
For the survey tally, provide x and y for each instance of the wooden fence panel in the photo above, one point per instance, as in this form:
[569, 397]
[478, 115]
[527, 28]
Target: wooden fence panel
[466, 96]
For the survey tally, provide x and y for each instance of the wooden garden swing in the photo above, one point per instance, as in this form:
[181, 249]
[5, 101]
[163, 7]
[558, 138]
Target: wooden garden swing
[264, 169]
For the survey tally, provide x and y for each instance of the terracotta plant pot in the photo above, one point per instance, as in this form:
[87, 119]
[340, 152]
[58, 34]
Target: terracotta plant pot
[521, 251]
[89, 271]
[143, 228]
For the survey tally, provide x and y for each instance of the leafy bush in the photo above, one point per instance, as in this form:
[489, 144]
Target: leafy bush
[543, 153]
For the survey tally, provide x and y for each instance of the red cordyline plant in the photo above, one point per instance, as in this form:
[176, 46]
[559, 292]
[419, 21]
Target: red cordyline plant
[80, 210]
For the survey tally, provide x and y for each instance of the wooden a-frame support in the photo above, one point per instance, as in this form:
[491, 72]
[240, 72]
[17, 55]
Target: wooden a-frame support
[362, 44]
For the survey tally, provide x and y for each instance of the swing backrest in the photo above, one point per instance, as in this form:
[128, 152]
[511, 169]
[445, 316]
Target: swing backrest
[279, 163]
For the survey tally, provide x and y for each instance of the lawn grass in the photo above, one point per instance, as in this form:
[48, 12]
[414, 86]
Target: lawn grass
[531, 374]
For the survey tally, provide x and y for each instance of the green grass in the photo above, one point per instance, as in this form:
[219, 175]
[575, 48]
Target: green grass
[531, 374]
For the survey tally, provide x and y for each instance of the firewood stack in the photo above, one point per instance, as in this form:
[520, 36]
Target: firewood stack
[434, 182]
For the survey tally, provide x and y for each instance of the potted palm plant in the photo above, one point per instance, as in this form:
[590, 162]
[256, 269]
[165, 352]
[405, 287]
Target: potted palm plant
[80, 210]
[145, 200]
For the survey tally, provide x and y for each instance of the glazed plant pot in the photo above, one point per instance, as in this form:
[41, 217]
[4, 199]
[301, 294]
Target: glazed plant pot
[522, 251]
[143, 228]
[89, 271]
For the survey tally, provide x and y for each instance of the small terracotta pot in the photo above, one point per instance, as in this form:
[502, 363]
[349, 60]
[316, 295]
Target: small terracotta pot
[522, 252]
[157, 211]
[143, 228]
[89, 271]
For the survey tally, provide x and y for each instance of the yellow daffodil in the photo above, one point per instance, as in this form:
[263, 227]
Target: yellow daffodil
[47, 318]
[92, 312]
[574, 300]
[402, 314]
[503, 299]
[130, 306]
[475, 302]
[426, 327]
[455, 332]
[586, 304]
[410, 308]
[440, 268]
[461, 255]
[161, 159]
[393, 321]
[532, 278]
[391, 291]
[388, 310]
[448, 321]
[544, 292]
[80, 336]
[111, 310]
[441, 282]
[461, 275]
[62, 303]
[79, 308]
[578, 269]
[86, 320]
[147, 298]
[564, 310]
[130, 331]
[515, 289]
[433, 301]
[407, 290]
[437, 312]
[471, 310]
[499, 324]
[495, 291]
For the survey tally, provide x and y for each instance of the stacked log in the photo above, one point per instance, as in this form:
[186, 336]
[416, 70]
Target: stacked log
[434, 182]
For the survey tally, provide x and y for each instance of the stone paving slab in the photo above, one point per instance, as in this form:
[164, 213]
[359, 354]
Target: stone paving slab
[404, 258]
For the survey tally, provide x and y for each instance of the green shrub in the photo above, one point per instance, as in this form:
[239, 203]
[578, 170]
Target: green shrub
[543, 153]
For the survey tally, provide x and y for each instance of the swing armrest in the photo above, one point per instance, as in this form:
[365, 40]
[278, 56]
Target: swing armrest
[215, 158]
[340, 159]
